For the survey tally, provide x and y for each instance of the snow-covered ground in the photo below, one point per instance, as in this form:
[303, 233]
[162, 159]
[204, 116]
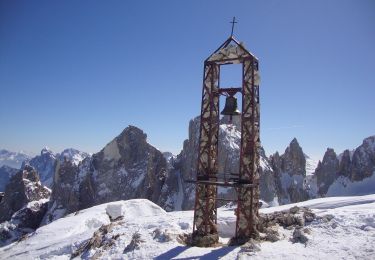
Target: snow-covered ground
[349, 235]
[311, 165]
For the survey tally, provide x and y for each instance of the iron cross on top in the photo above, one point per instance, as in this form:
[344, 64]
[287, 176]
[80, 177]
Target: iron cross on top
[233, 22]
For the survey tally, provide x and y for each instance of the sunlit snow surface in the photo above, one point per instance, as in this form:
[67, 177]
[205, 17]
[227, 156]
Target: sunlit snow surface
[311, 165]
[349, 235]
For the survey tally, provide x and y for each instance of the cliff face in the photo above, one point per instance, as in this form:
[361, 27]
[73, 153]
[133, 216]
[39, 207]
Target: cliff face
[290, 174]
[23, 205]
[45, 163]
[326, 171]
[126, 168]
[363, 161]
[353, 172]
[23, 187]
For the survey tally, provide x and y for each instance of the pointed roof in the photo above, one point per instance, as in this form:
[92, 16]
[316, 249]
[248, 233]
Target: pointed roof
[230, 51]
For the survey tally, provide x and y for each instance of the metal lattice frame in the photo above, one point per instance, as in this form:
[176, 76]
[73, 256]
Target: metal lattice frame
[205, 200]
[248, 197]
[205, 213]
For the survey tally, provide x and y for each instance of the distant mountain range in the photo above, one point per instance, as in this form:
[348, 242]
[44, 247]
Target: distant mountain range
[44, 163]
[129, 167]
[12, 159]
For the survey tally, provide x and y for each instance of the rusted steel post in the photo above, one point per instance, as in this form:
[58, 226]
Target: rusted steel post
[205, 230]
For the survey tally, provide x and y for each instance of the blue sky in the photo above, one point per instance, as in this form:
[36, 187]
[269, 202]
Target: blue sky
[76, 73]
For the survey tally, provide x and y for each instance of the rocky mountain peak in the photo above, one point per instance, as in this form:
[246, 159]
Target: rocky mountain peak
[329, 156]
[293, 159]
[294, 147]
[46, 150]
[30, 174]
[363, 160]
[345, 164]
[22, 188]
[73, 155]
[131, 136]
[369, 143]
[129, 147]
[327, 170]
[294, 142]
[127, 167]
[44, 165]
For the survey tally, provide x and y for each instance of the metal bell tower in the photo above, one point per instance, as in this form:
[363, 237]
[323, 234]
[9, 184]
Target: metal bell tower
[246, 182]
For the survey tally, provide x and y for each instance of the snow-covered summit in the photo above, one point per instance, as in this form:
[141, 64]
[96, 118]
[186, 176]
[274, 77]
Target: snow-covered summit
[73, 155]
[138, 229]
[46, 150]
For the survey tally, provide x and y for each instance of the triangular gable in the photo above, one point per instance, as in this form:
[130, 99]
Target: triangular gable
[230, 51]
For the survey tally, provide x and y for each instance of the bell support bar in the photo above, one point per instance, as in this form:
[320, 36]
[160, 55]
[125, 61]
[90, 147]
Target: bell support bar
[230, 91]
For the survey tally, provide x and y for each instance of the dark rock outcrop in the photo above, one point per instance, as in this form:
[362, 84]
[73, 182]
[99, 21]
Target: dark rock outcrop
[46, 162]
[363, 161]
[355, 173]
[65, 195]
[290, 174]
[345, 164]
[23, 206]
[326, 171]
[23, 187]
[24, 221]
[293, 160]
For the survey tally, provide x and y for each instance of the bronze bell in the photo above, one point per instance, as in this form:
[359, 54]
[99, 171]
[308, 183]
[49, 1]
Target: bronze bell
[231, 108]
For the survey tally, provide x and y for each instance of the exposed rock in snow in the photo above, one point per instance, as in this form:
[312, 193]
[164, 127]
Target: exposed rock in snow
[168, 156]
[73, 155]
[290, 174]
[23, 187]
[363, 161]
[23, 221]
[23, 206]
[350, 173]
[91, 234]
[45, 163]
[65, 194]
[326, 171]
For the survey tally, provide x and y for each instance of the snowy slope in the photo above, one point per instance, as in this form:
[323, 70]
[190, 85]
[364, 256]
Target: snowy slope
[73, 155]
[345, 187]
[311, 165]
[349, 235]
